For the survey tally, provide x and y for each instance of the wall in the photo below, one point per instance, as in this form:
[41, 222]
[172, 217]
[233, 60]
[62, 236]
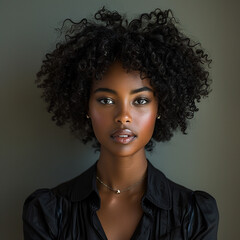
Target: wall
[34, 153]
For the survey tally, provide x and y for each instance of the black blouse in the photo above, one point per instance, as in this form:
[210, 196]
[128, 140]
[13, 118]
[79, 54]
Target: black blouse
[171, 211]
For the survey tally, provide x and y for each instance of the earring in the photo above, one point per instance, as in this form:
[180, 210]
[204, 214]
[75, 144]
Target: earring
[87, 116]
[159, 116]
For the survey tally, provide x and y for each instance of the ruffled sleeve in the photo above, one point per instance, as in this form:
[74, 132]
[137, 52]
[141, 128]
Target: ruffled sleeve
[203, 217]
[41, 216]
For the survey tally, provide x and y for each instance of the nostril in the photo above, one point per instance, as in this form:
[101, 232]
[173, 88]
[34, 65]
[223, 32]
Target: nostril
[123, 118]
[123, 121]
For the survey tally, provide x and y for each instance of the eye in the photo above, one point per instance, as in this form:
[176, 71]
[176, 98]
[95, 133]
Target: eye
[141, 101]
[105, 101]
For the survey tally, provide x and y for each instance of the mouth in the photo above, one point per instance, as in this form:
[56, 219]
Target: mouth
[123, 136]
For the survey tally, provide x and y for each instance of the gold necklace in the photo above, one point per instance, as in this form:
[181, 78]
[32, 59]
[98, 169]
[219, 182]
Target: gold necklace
[118, 191]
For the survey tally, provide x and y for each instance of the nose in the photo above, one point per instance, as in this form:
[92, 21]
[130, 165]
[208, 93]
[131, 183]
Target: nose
[123, 115]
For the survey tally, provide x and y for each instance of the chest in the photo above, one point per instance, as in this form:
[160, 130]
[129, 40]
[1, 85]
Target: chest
[82, 221]
[119, 220]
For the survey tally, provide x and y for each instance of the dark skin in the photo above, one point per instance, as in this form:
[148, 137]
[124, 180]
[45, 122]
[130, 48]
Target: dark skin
[122, 100]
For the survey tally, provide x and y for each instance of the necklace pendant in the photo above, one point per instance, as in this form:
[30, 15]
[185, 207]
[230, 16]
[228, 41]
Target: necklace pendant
[118, 191]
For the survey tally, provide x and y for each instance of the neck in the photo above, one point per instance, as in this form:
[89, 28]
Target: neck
[121, 172]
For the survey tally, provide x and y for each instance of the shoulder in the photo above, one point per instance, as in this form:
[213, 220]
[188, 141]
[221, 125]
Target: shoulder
[205, 201]
[64, 190]
[198, 211]
[195, 212]
[199, 198]
[186, 195]
[79, 187]
[40, 215]
[192, 198]
[41, 198]
[44, 209]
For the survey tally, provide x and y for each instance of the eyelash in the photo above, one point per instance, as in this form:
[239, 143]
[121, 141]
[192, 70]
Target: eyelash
[109, 99]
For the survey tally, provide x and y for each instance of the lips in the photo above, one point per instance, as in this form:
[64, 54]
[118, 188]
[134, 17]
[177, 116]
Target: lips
[123, 132]
[123, 136]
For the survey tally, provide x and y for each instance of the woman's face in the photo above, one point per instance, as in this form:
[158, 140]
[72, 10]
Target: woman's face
[123, 111]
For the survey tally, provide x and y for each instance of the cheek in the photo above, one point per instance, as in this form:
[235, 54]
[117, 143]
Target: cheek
[97, 118]
[146, 122]
[99, 121]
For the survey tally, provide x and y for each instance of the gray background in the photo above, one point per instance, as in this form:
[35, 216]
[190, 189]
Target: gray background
[34, 153]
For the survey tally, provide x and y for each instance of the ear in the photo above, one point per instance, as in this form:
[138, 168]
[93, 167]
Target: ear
[87, 114]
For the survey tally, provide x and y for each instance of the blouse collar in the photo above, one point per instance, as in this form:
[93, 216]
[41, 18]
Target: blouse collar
[158, 190]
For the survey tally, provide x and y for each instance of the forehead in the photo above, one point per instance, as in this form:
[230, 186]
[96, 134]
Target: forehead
[118, 78]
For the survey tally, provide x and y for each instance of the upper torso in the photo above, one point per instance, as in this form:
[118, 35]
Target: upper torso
[169, 211]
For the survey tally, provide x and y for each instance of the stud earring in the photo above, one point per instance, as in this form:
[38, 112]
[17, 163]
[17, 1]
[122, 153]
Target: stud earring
[87, 116]
[159, 116]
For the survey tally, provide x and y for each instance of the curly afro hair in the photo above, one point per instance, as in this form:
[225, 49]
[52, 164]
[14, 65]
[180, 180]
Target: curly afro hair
[151, 44]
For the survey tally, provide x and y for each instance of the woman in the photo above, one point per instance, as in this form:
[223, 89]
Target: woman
[123, 85]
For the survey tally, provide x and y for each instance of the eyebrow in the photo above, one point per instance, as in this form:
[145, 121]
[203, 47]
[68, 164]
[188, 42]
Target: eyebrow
[132, 92]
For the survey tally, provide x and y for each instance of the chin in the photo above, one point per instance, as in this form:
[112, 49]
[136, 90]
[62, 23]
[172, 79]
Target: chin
[123, 151]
